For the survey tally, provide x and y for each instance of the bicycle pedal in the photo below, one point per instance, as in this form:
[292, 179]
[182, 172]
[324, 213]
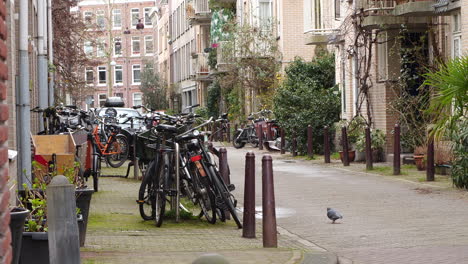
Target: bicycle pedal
[140, 201]
[231, 187]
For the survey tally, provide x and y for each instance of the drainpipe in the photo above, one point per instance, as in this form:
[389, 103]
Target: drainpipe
[51, 52]
[355, 70]
[24, 141]
[42, 59]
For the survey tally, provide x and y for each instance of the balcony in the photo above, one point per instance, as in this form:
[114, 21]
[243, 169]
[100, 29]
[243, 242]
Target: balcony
[200, 68]
[321, 36]
[414, 8]
[445, 7]
[224, 1]
[222, 56]
[198, 12]
[380, 14]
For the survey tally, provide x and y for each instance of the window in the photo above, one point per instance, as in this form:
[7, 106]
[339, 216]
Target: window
[119, 95]
[317, 14]
[137, 99]
[382, 57]
[136, 69]
[100, 20]
[102, 99]
[118, 74]
[135, 15]
[265, 13]
[89, 75]
[337, 9]
[149, 47]
[456, 37]
[116, 18]
[101, 48]
[147, 16]
[117, 46]
[88, 48]
[102, 72]
[90, 101]
[135, 45]
[88, 17]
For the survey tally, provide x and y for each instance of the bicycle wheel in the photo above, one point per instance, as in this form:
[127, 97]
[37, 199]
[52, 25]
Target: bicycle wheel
[160, 195]
[146, 194]
[237, 142]
[119, 145]
[96, 172]
[228, 201]
[206, 198]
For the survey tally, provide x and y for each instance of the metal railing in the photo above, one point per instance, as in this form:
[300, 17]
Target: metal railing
[222, 53]
[378, 6]
[200, 65]
[201, 7]
[322, 31]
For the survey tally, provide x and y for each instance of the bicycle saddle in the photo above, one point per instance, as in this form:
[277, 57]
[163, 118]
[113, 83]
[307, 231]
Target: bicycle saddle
[166, 128]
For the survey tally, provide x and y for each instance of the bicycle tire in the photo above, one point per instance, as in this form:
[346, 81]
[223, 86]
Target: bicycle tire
[146, 194]
[160, 196]
[237, 143]
[120, 143]
[96, 172]
[225, 195]
[206, 198]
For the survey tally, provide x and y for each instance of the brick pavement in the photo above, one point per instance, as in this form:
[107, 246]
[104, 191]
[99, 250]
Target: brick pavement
[117, 234]
[386, 220]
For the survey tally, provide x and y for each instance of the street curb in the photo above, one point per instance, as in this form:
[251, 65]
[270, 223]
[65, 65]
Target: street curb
[320, 258]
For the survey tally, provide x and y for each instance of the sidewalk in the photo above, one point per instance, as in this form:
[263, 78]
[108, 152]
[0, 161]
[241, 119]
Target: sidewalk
[117, 234]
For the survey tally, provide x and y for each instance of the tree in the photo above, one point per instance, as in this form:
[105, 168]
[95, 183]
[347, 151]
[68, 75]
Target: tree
[154, 88]
[69, 56]
[308, 96]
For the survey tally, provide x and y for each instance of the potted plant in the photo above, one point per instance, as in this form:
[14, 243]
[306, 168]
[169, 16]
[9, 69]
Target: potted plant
[18, 216]
[377, 144]
[419, 157]
[355, 128]
[443, 157]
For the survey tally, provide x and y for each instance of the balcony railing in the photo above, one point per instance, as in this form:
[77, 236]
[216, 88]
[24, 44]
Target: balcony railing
[321, 36]
[378, 7]
[411, 8]
[443, 7]
[198, 12]
[200, 67]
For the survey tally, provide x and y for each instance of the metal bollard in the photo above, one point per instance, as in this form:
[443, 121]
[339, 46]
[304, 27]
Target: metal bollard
[294, 144]
[228, 132]
[268, 204]
[224, 172]
[64, 241]
[326, 144]
[369, 165]
[310, 151]
[344, 139]
[248, 230]
[430, 171]
[260, 137]
[269, 137]
[283, 140]
[396, 150]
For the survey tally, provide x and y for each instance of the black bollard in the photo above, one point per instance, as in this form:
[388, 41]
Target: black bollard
[310, 151]
[294, 144]
[260, 137]
[326, 144]
[248, 230]
[228, 132]
[224, 172]
[344, 139]
[430, 171]
[369, 165]
[282, 151]
[268, 204]
[396, 150]
[269, 137]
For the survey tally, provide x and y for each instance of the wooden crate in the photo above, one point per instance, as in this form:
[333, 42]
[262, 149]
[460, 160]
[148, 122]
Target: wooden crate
[63, 146]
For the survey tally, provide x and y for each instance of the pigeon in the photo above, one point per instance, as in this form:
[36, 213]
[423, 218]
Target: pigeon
[333, 215]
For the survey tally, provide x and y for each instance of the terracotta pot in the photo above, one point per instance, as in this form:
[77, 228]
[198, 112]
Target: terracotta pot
[420, 162]
[351, 155]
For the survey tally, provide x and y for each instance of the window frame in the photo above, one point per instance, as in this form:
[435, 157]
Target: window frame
[98, 15]
[147, 23]
[113, 18]
[103, 101]
[133, 46]
[99, 75]
[88, 45]
[89, 70]
[146, 46]
[115, 75]
[133, 74]
[382, 57]
[121, 47]
[131, 16]
[133, 98]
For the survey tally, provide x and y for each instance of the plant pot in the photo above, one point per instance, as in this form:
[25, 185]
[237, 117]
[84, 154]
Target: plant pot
[351, 155]
[35, 248]
[83, 200]
[420, 162]
[443, 169]
[18, 216]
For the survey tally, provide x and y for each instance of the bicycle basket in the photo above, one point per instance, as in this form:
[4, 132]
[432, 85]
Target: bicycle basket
[146, 146]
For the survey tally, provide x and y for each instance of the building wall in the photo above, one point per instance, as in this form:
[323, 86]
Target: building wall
[128, 89]
[464, 16]
[5, 234]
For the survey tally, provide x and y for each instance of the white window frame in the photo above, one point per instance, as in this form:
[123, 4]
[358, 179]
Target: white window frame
[119, 39]
[268, 23]
[456, 36]
[133, 98]
[132, 12]
[88, 17]
[99, 70]
[133, 73]
[87, 70]
[382, 57]
[99, 14]
[134, 39]
[101, 48]
[115, 75]
[146, 46]
[116, 12]
[88, 48]
[147, 22]
[102, 100]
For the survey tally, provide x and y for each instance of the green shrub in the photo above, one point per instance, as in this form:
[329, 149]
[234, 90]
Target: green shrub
[308, 96]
